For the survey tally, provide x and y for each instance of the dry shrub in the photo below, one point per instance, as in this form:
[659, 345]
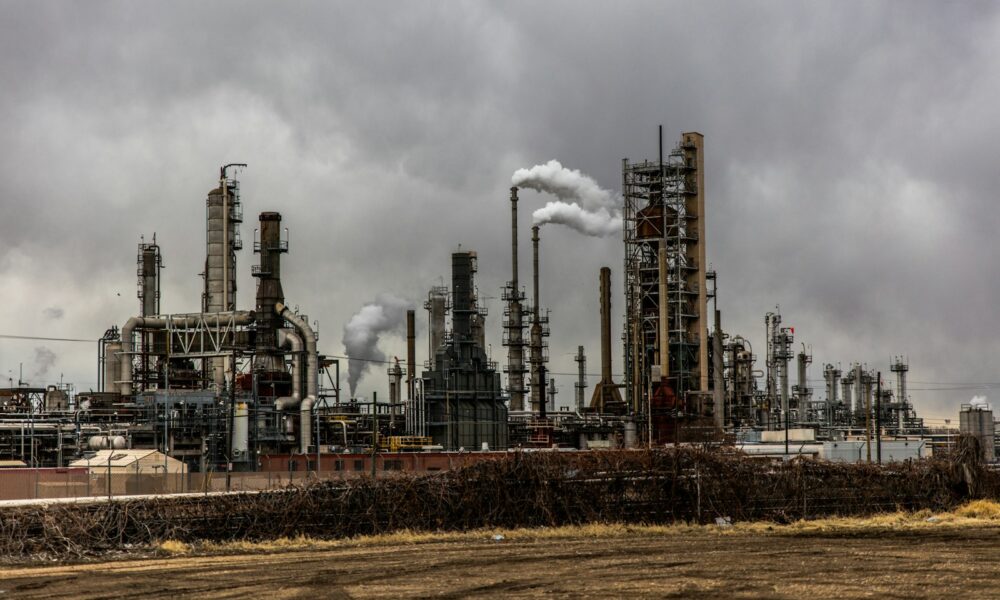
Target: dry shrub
[523, 490]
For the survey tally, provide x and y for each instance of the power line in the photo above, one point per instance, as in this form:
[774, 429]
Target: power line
[43, 339]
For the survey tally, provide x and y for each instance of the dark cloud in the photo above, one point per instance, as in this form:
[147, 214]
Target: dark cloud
[850, 150]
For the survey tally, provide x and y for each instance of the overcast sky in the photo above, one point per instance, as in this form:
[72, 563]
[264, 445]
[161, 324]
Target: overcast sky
[851, 171]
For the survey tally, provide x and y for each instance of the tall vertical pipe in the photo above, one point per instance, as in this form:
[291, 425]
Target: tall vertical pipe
[515, 323]
[411, 352]
[859, 390]
[536, 330]
[581, 380]
[411, 370]
[605, 324]
[663, 320]
[719, 384]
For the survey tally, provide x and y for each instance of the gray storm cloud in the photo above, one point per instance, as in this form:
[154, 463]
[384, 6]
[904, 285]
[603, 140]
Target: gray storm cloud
[53, 313]
[583, 204]
[362, 332]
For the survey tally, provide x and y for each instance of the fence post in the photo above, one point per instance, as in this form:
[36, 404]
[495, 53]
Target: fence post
[697, 484]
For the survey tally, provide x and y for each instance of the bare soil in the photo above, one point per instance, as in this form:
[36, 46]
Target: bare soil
[929, 563]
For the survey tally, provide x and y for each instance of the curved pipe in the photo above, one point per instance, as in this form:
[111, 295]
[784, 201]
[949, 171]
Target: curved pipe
[291, 340]
[312, 373]
[142, 323]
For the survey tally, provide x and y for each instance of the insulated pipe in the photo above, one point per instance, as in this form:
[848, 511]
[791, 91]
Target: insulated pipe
[141, 323]
[664, 333]
[291, 340]
[312, 373]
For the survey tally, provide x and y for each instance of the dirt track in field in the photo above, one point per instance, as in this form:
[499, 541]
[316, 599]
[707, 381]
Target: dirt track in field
[934, 563]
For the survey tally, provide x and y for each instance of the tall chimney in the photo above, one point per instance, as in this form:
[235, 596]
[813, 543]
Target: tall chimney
[411, 351]
[269, 292]
[606, 395]
[605, 324]
[514, 323]
[536, 330]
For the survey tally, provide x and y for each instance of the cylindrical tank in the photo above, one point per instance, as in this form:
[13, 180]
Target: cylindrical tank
[102, 442]
[56, 399]
[112, 365]
[241, 429]
[437, 305]
[630, 436]
[977, 421]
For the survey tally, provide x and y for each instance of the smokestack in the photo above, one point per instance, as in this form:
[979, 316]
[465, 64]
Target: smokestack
[269, 292]
[411, 351]
[514, 323]
[581, 382]
[536, 330]
[606, 395]
[534, 246]
[605, 324]
[513, 237]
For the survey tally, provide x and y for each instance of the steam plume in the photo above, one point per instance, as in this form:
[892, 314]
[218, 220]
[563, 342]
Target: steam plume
[599, 223]
[361, 334]
[980, 402]
[583, 205]
[44, 359]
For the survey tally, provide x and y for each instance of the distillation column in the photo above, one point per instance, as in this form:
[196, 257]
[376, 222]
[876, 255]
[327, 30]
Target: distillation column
[514, 320]
[900, 367]
[224, 213]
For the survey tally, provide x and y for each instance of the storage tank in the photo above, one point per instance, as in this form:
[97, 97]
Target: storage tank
[977, 420]
[112, 365]
[102, 442]
[241, 430]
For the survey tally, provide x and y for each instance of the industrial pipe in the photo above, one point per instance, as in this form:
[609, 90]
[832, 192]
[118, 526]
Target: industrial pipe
[141, 323]
[291, 340]
[312, 373]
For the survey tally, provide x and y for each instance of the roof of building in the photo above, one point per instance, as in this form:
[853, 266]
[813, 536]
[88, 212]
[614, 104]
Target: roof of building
[117, 458]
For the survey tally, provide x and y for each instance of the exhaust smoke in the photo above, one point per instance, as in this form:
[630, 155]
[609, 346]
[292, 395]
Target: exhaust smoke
[44, 360]
[386, 314]
[583, 204]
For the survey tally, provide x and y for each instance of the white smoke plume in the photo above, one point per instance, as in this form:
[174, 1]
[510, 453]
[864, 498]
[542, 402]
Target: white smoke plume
[583, 205]
[980, 402]
[44, 360]
[599, 223]
[386, 314]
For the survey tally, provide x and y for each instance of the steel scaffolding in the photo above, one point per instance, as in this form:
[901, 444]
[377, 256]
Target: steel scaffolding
[664, 208]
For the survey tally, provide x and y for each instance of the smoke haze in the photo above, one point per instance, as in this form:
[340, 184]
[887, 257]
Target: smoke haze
[44, 360]
[386, 314]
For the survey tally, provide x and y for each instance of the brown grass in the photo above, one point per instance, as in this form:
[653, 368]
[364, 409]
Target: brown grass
[978, 513]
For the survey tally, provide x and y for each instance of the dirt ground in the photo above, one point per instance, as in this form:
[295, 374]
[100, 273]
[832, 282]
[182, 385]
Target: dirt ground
[932, 563]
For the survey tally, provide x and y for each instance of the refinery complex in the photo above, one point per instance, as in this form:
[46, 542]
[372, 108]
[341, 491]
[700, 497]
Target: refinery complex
[235, 385]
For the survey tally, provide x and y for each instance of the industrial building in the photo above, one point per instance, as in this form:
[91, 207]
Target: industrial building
[224, 388]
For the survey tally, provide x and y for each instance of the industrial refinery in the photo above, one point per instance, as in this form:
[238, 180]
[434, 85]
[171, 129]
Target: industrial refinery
[235, 385]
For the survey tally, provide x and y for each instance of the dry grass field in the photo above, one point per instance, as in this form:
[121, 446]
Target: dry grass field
[900, 555]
